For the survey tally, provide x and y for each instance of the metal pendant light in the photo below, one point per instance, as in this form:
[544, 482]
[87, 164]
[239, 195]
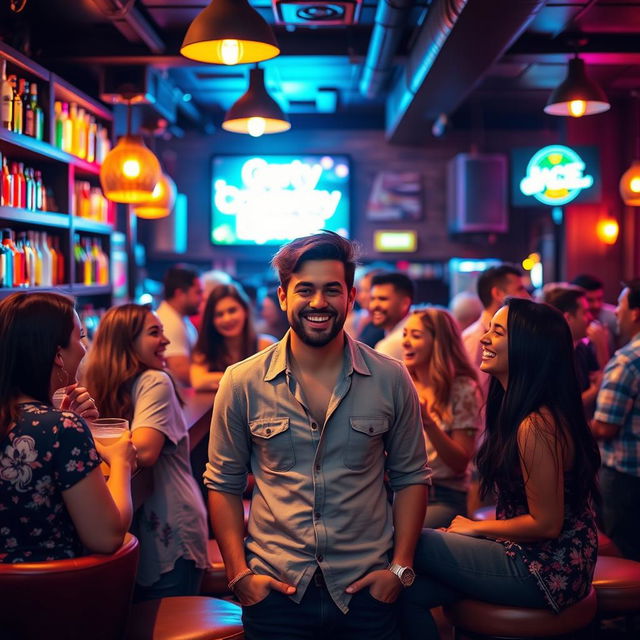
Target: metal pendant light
[577, 95]
[256, 112]
[130, 171]
[229, 32]
[162, 200]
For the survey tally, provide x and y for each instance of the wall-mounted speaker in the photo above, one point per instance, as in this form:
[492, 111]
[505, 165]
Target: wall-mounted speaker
[477, 193]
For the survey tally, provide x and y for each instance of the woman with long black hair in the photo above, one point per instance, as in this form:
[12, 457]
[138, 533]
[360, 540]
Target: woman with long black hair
[540, 459]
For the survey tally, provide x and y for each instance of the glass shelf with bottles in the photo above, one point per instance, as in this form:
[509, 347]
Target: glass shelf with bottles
[91, 260]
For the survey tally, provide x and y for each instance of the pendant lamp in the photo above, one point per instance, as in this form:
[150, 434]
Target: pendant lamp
[577, 95]
[129, 172]
[160, 205]
[229, 32]
[630, 180]
[256, 112]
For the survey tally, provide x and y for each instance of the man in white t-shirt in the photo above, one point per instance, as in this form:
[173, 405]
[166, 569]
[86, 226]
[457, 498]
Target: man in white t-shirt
[391, 298]
[183, 294]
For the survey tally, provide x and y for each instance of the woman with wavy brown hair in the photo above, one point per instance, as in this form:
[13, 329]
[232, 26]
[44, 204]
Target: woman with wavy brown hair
[126, 375]
[450, 399]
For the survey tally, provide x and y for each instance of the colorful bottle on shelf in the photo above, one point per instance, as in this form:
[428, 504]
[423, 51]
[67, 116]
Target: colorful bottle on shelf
[27, 110]
[67, 129]
[17, 121]
[7, 184]
[9, 251]
[6, 98]
[38, 113]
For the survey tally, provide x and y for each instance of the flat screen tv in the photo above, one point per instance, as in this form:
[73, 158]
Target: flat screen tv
[271, 199]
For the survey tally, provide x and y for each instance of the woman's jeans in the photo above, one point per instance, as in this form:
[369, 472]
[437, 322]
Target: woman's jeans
[444, 505]
[449, 567]
[183, 580]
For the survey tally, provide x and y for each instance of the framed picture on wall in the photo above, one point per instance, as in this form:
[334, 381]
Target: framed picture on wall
[396, 196]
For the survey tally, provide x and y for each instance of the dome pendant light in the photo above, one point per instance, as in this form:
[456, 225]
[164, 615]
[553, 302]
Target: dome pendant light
[129, 172]
[162, 200]
[256, 112]
[630, 180]
[229, 32]
[577, 95]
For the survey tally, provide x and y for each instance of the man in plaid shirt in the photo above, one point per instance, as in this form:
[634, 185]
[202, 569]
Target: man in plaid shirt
[616, 424]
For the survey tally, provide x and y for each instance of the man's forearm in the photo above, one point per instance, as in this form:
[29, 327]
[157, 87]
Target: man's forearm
[409, 508]
[227, 520]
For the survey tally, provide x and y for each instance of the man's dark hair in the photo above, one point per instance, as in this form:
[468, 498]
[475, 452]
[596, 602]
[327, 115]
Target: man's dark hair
[588, 282]
[326, 245]
[494, 277]
[180, 276]
[400, 282]
[565, 298]
[634, 292]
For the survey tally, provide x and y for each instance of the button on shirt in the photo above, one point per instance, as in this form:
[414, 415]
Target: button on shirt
[619, 403]
[319, 497]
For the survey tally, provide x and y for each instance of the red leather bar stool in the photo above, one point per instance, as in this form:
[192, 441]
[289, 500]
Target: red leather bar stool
[185, 618]
[617, 585]
[475, 619]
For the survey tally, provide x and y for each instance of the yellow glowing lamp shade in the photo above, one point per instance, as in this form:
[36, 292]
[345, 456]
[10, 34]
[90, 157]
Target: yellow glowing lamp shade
[577, 95]
[630, 185]
[607, 231]
[229, 32]
[256, 112]
[162, 200]
[130, 171]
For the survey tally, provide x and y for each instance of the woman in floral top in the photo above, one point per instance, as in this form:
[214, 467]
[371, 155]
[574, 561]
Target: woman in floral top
[450, 400]
[126, 375]
[540, 458]
[54, 502]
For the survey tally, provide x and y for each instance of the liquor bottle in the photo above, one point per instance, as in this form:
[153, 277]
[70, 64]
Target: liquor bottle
[58, 123]
[29, 259]
[28, 190]
[19, 279]
[47, 262]
[2, 202]
[54, 261]
[73, 122]
[67, 129]
[38, 113]
[27, 110]
[80, 134]
[103, 261]
[7, 184]
[17, 185]
[37, 257]
[79, 259]
[9, 258]
[89, 264]
[17, 122]
[91, 139]
[4, 280]
[6, 98]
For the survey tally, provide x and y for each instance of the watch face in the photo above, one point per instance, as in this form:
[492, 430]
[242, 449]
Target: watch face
[407, 577]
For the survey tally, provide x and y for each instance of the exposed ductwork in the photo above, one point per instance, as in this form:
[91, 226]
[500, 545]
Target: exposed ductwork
[391, 18]
[450, 58]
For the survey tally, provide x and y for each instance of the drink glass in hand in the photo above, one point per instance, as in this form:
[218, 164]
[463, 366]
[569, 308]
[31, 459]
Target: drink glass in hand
[107, 430]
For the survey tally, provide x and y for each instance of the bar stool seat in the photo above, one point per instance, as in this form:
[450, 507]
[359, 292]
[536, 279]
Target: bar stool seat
[185, 618]
[500, 621]
[214, 580]
[617, 584]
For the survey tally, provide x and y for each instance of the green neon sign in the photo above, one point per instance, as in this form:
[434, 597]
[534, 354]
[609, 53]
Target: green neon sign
[555, 176]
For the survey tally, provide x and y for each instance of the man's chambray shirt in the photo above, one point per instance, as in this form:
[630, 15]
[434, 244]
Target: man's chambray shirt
[319, 497]
[619, 403]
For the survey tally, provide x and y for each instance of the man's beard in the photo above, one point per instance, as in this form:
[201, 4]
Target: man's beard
[317, 338]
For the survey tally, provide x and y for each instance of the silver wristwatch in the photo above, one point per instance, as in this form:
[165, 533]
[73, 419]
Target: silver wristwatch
[406, 575]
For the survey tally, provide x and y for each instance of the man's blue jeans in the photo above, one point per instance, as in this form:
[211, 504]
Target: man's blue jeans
[317, 617]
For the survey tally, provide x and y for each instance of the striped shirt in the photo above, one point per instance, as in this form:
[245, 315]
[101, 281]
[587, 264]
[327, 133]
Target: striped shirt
[619, 404]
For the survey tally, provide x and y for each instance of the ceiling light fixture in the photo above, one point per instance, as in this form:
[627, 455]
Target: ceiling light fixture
[130, 171]
[229, 32]
[630, 180]
[162, 200]
[256, 112]
[577, 95]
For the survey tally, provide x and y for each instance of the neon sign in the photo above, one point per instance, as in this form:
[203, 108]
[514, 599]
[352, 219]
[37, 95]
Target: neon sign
[555, 176]
[272, 199]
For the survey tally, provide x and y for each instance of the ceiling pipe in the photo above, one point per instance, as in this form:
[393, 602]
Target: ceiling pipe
[390, 20]
[131, 23]
[458, 43]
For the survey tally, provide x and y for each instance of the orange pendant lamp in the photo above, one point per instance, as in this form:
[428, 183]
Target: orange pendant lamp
[229, 32]
[256, 112]
[630, 180]
[162, 200]
[130, 171]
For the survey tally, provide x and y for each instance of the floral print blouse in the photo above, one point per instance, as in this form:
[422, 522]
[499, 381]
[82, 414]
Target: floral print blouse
[563, 566]
[46, 452]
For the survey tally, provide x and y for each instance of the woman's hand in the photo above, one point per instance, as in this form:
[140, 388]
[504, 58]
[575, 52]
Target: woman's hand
[122, 451]
[78, 400]
[463, 526]
[426, 414]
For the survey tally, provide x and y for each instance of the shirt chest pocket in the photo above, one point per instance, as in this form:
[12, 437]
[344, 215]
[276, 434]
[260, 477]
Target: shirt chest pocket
[274, 444]
[365, 442]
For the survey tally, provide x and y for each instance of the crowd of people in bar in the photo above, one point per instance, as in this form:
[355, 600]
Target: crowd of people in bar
[369, 424]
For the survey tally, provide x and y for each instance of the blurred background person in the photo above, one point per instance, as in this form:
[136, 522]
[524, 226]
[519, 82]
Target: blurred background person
[54, 501]
[227, 335]
[183, 294]
[125, 373]
[210, 280]
[273, 319]
[358, 323]
[466, 308]
[450, 400]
